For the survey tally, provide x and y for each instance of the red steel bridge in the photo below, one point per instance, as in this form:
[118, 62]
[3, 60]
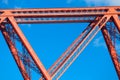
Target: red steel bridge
[99, 18]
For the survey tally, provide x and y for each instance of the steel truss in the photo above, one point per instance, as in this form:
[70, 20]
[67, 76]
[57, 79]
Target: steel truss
[26, 58]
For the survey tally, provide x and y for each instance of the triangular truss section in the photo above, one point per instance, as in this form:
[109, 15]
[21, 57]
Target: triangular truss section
[26, 58]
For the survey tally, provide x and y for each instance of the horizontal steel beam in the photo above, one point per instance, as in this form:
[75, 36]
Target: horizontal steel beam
[58, 15]
[61, 9]
[60, 12]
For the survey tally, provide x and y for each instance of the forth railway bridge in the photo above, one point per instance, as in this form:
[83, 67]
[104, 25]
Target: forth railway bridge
[104, 19]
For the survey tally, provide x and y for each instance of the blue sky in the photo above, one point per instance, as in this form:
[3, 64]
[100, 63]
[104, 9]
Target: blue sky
[51, 40]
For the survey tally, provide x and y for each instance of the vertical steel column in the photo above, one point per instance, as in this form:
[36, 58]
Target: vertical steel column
[14, 53]
[112, 50]
[29, 48]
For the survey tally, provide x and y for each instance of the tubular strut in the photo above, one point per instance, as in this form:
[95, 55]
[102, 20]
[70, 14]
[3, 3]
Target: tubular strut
[14, 53]
[112, 50]
[29, 48]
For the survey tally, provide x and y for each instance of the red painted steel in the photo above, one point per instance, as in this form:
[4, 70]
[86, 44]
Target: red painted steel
[50, 15]
[117, 22]
[85, 41]
[112, 50]
[97, 16]
[14, 53]
[29, 48]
